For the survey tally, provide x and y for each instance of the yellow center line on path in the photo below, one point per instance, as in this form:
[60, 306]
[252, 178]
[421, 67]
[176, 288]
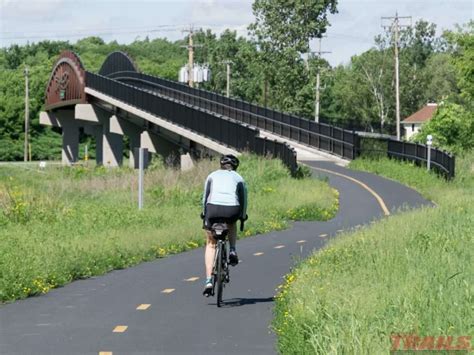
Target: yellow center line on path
[279, 246]
[192, 279]
[258, 254]
[120, 328]
[301, 241]
[168, 290]
[376, 195]
[105, 353]
[143, 307]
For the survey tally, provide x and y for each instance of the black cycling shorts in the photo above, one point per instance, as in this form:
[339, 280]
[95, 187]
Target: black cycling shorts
[219, 213]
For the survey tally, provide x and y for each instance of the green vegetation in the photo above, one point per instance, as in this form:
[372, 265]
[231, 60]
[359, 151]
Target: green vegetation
[408, 274]
[268, 69]
[452, 127]
[65, 224]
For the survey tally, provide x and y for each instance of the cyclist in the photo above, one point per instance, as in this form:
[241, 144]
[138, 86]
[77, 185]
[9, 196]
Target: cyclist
[225, 197]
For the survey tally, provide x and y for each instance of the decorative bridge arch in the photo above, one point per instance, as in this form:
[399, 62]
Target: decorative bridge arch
[67, 82]
[117, 62]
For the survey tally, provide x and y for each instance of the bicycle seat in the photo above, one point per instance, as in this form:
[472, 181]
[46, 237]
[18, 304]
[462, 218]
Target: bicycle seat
[219, 230]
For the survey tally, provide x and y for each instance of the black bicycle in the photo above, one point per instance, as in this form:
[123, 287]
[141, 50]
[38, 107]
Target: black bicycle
[220, 268]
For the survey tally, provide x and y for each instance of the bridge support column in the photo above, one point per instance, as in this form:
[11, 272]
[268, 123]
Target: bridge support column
[134, 142]
[112, 145]
[70, 151]
[70, 132]
[122, 127]
[187, 162]
[156, 144]
[109, 144]
[70, 128]
[96, 132]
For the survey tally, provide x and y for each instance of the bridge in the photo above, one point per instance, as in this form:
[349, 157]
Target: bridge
[174, 120]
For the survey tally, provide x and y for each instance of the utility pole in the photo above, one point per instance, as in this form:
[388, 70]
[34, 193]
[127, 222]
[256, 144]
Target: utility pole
[228, 79]
[395, 29]
[228, 63]
[27, 114]
[191, 47]
[318, 80]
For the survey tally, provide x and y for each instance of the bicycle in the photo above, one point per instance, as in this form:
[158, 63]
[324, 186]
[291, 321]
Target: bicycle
[220, 268]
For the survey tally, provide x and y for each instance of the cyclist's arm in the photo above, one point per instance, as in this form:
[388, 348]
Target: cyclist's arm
[207, 191]
[242, 195]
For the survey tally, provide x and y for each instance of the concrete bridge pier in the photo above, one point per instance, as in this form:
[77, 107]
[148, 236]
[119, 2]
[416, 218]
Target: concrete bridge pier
[65, 120]
[159, 145]
[112, 145]
[96, 132]
[121, 127]
[70, 149]
[109, 145]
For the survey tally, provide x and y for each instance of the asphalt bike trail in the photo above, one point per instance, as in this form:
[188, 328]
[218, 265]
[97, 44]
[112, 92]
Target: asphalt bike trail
[157, 307]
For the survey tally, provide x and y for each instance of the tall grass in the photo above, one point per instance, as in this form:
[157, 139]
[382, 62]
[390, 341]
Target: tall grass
[409, 274]
[67, 224]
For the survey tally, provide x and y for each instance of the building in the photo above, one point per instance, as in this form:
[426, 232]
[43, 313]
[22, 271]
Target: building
[413, 123]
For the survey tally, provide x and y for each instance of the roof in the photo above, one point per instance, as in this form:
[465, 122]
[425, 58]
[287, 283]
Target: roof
[423, 115]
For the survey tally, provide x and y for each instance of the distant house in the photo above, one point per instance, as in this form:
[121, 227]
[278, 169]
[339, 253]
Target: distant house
[413, 123]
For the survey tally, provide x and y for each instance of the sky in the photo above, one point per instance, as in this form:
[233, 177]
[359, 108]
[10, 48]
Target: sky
[352, 29]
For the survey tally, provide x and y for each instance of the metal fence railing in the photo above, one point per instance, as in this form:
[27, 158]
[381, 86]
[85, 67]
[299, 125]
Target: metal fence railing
[335, 140]
[441, 161]
[325, 137]
[221, 129]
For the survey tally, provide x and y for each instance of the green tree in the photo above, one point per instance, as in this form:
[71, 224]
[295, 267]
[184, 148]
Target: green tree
[283, 24]
[452, 128]
[282, 31]
[463, 58]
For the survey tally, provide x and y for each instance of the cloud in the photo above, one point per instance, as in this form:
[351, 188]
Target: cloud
[221, 13]
[29, 10]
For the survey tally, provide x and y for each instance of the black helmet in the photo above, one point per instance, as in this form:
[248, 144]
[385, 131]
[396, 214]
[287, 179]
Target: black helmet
[231, 160]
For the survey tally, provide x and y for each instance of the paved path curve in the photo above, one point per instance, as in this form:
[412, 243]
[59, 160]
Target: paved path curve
[85, 316]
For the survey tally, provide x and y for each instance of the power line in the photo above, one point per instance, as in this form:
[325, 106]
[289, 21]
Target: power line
[102, 29]
[74, 35]
[99, 32]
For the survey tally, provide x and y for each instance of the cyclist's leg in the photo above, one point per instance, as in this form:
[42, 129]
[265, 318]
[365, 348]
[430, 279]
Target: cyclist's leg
[232, 234]
[209, 253]
[233, 258]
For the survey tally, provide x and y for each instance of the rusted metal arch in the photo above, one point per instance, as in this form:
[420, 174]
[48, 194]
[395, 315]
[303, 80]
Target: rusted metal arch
[67, 82]
[118, 61]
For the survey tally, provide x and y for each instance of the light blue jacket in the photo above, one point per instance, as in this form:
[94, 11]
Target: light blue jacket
[225, 188]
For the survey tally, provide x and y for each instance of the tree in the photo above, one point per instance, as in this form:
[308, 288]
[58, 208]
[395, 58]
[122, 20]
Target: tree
[282, 31]
[452, 128]
[462, 42]
[439, 77]
[283, 24]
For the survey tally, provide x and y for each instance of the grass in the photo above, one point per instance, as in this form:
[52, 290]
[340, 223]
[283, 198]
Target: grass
[61, 225]
[409, 274]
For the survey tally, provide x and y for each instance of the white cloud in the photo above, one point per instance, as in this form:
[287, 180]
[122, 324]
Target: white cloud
[236, 15]
[23, 9]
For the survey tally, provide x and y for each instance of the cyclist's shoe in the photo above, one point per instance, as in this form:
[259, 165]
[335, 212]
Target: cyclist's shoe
[207, 289]
[233, 258]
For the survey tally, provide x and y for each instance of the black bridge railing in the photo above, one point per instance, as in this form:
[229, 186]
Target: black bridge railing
[325, 137]
[335, 140]
[441, 161]
[221, 129]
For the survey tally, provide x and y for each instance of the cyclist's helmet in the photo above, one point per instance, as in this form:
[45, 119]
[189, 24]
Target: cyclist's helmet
[231, 160]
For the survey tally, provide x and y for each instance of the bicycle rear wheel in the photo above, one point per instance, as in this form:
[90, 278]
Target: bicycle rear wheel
[220, 274]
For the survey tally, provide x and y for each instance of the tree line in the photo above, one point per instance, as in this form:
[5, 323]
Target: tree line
[270, 68]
